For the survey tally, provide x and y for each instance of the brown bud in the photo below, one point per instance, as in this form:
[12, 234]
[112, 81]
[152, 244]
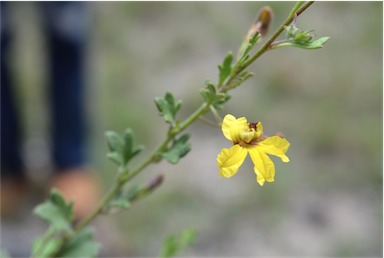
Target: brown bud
[263, 21]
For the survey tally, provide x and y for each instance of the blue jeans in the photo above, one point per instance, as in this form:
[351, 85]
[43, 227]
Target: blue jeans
[66, 27]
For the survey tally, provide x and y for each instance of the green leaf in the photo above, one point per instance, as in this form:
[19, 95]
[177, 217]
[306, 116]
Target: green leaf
[121, 203]
[316, 44]
[179, 149]
[129, 151]
[219, 104]
[175, 244]
[56, 211]
[82, 245]
[210, 94]
[122, 149]
[246, 47]
[225, 68]
[50, 246]
[132, 193]
[242, 77]
[115, 157]
[115, 143]
[216, 99]
[118, 203]
[301, 39]
[168, 108]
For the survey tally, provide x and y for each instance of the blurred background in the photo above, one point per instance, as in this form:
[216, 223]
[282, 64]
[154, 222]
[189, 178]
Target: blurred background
[328, 103]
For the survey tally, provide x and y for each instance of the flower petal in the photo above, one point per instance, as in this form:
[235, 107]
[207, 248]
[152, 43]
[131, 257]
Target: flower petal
[231, 127]
[259, 129]
[229, 160]
[275, 145]
[264, 167]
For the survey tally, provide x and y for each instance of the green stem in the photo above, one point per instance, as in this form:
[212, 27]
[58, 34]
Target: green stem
[47, 236]
[296, 7]
[218, 118]
[112, 192]
[192, 118]
[121, 181]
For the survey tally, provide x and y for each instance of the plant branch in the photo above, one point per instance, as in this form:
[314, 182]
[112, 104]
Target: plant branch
[296, 11]
[202, 110]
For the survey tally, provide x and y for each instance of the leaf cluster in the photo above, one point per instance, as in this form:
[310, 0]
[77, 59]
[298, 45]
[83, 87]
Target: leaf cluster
[121, 148]
[301, 39]
[168, 108]
[179, 148]
[59, 215]
[212, 96]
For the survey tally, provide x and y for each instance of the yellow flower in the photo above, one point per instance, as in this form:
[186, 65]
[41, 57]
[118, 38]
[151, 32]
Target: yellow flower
[248, 138]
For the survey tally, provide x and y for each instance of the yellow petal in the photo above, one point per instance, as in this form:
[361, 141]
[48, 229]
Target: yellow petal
[275, 145]
[264, 167]
[231, 127]
[259, 129]
[247, 136]
[229, 160]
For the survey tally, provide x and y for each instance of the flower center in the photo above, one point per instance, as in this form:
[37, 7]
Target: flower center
[249, 136]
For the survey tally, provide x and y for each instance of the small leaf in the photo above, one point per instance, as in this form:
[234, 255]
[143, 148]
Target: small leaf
[210, 86]
[115, 143]
[132, 193]
[137, 193]
[168, 108]
[122, 150]
[246, 47]
[128, 141]
[225, 68]
[316, 44]
[82, 245]
[50, 246]
[219, 104]
[129, 151]
[164, 109]
[175, 244]
[242, 77]
[210, 94]
[56, 211]
[115, 157]
[118, 203]
[121, 203]
[179, 149]
[216, 99]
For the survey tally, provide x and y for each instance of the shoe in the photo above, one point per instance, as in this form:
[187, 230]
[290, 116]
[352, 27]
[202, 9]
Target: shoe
[81, 186]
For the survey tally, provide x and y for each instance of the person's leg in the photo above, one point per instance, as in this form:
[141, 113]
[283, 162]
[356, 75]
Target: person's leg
[66, 42]
[67, 29]
[11, 161]
[13, 183]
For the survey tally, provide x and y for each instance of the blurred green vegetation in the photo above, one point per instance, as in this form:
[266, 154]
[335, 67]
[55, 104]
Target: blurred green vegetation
[326, 202]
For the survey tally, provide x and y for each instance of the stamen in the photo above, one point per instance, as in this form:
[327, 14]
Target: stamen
[253, 126]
